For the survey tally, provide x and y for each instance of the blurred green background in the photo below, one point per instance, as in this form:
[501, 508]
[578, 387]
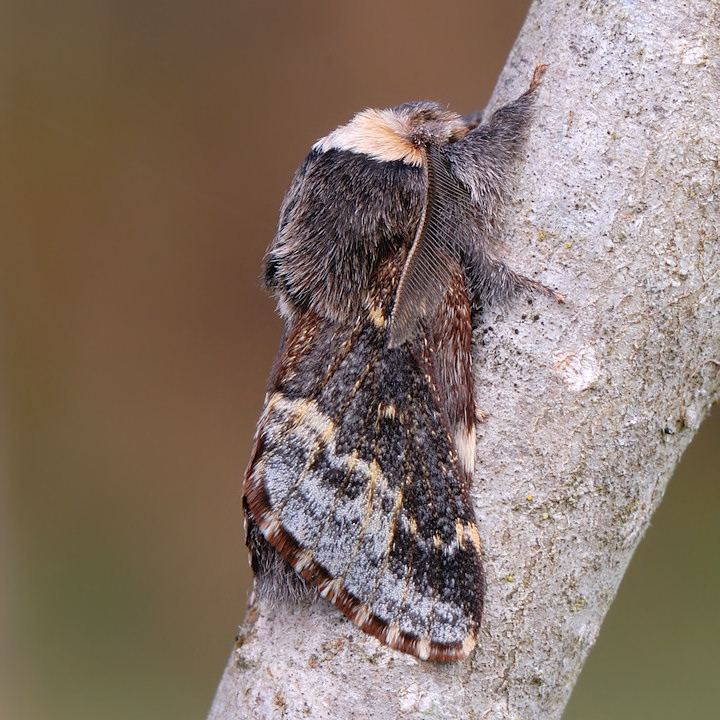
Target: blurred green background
[144, 150]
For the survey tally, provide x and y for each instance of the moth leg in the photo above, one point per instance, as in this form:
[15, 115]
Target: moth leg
[508, 125]
[493, 281]
[521, 283]
[474, 119]
[516, 114]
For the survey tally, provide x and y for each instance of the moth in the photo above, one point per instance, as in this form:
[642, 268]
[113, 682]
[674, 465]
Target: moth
[359, 482]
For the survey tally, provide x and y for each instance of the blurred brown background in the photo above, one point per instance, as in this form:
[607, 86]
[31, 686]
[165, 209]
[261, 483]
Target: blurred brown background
[144, 150]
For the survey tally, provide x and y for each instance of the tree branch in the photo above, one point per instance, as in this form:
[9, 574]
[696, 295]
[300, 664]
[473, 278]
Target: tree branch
[590, 403]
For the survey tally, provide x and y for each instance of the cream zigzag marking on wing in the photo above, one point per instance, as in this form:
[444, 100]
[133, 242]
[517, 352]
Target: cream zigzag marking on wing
[317, 425]
[361, 615]
[319, 434]
[439, 609]
[304, 559]
[465, 443]
[376, 316]
[300, 410]
[308, 413]
[468, 644]
[392, 635]
[467, 534]
[272, 525]
[410, 595]
[322, 430]
[331, 589]
[423, 649]
[387, 411]
[279, 416]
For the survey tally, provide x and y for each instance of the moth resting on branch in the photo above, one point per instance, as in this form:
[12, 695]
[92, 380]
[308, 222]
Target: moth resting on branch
[359, 481]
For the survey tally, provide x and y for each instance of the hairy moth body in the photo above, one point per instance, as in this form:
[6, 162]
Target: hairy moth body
[359, 482]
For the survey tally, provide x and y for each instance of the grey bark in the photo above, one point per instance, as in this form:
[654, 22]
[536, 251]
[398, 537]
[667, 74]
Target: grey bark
[590, 403]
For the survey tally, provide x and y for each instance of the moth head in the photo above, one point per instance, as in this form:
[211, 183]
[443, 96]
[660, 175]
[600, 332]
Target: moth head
[396, 134]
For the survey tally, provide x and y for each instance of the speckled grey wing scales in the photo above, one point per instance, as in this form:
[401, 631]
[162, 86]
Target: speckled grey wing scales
[356, 483]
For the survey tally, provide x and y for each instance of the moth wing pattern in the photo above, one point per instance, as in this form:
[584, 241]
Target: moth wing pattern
[356, 482]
